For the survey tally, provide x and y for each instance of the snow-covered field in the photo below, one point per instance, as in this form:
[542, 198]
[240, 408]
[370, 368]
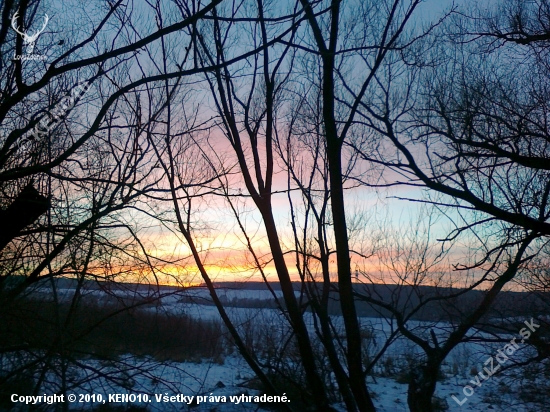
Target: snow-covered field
[223, 385]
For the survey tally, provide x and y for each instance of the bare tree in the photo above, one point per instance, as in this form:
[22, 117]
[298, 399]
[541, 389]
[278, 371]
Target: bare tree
[453, 300]
[461, 125]
[76, 163]
[38, 147]
[248, 116]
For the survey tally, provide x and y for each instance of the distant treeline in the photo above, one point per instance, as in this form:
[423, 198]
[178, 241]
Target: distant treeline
[406, 298]
[443, 308]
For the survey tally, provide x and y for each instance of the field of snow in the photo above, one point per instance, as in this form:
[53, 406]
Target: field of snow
[221, 387]
[221, 383]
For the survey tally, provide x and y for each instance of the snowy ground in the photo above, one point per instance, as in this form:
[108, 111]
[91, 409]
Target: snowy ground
[218, 382]
[178, 382]
[214, 381]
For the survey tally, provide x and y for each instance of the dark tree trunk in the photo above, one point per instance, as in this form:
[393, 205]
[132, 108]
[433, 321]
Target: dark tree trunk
[345, 286]
[27, 207]
[422, 387]
[316, 384]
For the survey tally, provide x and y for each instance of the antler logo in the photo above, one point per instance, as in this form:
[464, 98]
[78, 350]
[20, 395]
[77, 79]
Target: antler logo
[29, 40]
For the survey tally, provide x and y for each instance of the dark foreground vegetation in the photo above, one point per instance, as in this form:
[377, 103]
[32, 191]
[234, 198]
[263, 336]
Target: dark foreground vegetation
[106, 330]
[48, 337]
